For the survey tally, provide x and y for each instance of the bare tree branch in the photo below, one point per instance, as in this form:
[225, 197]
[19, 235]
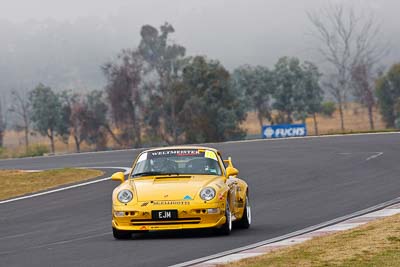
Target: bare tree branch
[20, 105]
[346, 39]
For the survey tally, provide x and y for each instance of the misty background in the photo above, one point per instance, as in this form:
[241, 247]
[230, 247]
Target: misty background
[63, 43]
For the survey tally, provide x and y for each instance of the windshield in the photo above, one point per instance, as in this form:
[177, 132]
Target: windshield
[177, 161]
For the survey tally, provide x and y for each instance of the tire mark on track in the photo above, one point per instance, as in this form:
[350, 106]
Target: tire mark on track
[62, 242]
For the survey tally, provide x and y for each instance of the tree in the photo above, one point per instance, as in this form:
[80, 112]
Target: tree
[288, 93]
[46, 112]
[95, 120]
[125, 95]
[211, 111]
[388, 92]
[66, 98]
[297, 93]
[328, 108]
[257, 84]
[21, 106]
[78, 120]
[165, 60]
[346, 40]
[313, 94]
[363, 84]
[2, 126]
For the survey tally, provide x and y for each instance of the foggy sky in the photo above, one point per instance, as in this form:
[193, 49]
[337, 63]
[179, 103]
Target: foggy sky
[235, 32]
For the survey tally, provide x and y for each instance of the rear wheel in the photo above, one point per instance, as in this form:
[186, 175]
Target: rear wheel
[120, 234]
[226, 228]
[245, 221]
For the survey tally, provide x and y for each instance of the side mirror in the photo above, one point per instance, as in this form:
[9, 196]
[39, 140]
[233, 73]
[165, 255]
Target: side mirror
[118, 176]
[231, 171]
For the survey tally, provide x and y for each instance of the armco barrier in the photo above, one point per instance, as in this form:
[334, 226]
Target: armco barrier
[283, 130]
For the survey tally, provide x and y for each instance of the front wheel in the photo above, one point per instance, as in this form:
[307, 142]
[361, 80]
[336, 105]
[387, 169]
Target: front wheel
[245, 221]
[120, 234]
[226, 228]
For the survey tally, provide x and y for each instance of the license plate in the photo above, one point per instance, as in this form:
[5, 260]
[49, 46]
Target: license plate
[164, 215]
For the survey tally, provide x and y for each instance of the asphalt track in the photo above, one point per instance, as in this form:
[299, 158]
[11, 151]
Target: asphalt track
[293, 184]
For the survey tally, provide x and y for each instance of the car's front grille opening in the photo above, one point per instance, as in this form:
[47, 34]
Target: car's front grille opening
[195, 220]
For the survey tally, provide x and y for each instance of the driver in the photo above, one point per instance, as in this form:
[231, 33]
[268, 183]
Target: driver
[163, 165]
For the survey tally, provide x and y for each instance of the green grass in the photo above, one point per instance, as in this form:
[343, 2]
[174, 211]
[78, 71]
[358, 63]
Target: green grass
[16, 183]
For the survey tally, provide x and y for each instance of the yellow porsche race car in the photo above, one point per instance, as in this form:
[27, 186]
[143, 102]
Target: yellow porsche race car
[180, 188]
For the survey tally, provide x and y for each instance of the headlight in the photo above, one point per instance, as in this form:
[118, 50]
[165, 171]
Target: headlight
[125, 196]
[207, 193]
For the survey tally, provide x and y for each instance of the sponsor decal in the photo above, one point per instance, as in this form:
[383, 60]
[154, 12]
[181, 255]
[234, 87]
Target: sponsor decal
[142, 157]
[211, 155]
[284, 130]
[145, 204]
[177, 152]
[269, 132]
[187, 197]
[171, 202]
[143, 228]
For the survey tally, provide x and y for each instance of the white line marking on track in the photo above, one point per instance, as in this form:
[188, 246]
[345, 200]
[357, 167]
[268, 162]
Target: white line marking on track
[127, 170]
[56, 243]
[18, 235]
[378, 154]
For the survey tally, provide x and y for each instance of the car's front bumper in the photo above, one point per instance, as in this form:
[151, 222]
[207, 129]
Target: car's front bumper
[192, 216]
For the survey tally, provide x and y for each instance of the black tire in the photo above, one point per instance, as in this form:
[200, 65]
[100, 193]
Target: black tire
[120, 234]
[226, 228]
[245, 221]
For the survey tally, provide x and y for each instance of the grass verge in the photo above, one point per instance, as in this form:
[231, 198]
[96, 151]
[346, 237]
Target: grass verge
[16, 183]
[374, 244]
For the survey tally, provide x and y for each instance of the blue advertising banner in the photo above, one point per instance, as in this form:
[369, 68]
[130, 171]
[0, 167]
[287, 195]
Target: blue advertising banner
[283, 130]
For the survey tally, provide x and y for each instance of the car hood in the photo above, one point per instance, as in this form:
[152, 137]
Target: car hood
[171, 187]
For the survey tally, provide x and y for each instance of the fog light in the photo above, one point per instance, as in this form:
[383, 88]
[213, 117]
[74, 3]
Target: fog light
[119, 213]
[213, 211]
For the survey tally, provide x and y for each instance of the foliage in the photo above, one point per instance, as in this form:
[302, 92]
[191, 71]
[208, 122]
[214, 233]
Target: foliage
[313, 94]
[35, 151]
[388, 93]
[257, 84]
[288, 82]
[363, 78]
[125, 95]
[328, 108]
[46, 112]
[212, 111]
[165, 61]
[95, 120]
[78, 119]
[297, 91]
[66, 98]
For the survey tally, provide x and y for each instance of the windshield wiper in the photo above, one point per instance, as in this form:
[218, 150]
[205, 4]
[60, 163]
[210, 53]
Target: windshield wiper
[146, 173]
[151, 173]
